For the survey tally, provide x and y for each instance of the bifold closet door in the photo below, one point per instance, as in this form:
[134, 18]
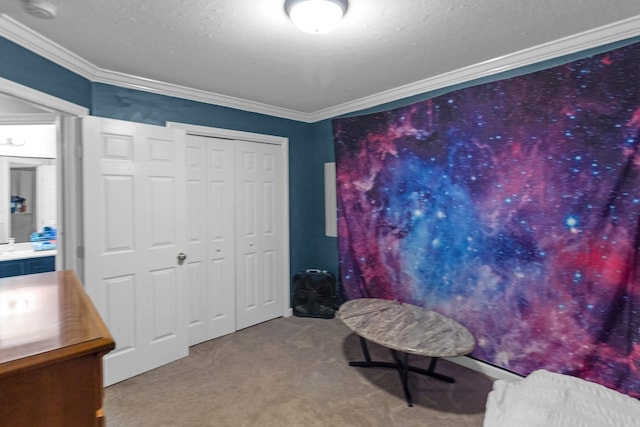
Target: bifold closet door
[235, 240]
[259, 237]
[211, 211]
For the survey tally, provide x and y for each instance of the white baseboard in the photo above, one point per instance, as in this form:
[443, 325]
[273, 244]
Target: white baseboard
[484, 368]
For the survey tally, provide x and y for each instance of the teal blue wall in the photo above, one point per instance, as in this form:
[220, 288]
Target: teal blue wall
[22, 66]
[326, 247]
[310, 145]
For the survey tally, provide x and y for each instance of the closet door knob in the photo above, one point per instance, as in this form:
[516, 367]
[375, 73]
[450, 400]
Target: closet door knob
[181, 256]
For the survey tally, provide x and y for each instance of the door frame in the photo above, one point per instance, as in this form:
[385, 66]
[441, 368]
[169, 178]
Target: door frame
[283, 143]
[69, 202]
[69, 199]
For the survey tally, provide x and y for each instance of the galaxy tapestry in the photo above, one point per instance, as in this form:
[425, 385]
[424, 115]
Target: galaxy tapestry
[512, 207]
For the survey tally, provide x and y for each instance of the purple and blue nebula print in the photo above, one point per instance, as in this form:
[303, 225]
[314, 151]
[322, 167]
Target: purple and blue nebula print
[512, 207]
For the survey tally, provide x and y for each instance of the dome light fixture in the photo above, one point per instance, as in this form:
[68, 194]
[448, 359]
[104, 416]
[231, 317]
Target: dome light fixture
[316, 16]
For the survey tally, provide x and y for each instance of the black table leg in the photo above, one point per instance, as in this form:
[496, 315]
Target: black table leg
[365, 350]
[403, 370]
[430, 372]
[368, 363]
[402, 367]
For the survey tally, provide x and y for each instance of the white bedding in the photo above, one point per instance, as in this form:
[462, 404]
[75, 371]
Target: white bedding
[547, 399]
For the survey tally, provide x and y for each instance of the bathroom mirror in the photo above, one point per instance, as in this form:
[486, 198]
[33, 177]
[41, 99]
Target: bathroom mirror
[32, 196]
[28, 180]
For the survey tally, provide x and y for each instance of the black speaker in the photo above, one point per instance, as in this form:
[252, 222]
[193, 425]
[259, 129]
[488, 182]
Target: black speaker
[314, 294]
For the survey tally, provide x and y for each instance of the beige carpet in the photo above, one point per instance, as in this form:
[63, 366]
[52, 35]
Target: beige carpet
[293, 372]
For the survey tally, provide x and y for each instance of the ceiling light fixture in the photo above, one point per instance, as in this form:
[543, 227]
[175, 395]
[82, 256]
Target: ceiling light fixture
[316, 16]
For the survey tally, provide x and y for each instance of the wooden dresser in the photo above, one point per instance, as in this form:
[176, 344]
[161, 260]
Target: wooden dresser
[51, 345]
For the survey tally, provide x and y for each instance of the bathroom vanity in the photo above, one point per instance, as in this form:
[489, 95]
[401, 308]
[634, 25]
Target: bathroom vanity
[22, 259]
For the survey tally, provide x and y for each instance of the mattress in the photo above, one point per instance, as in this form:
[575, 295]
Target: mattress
[547, 399]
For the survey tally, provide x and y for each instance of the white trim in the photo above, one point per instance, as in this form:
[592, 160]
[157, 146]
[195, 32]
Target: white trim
[25, 93]
[37, 43]
[617, 31]
[286, 288]
[170, 89]
[228, 133]
[70, 219]
[284, 147]
[29, 119]
[484, 368]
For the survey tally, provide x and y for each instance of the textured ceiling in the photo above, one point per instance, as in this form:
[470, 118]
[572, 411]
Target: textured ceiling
[248, 49]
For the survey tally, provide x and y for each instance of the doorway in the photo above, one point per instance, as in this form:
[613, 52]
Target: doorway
[23, 106]
[28, 163]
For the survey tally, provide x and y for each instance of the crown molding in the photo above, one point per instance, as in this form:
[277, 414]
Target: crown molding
[27, 38]
[170, 89]
[593, 38]
[40, 45]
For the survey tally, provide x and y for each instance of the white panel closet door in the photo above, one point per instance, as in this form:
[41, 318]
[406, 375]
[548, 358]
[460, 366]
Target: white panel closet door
[210, 201]
[259, 237]
[134, 228]
[235, 239]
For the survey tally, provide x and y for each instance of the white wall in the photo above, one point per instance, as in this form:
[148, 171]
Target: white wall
[46, 196]
[32, 141]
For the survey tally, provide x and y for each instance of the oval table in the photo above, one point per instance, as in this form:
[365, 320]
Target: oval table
[408, 329]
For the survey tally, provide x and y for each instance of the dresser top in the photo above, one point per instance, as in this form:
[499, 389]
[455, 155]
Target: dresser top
[45, 318]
